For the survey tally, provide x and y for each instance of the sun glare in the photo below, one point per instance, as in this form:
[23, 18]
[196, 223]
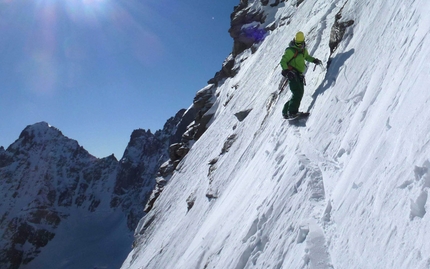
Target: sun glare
[65, 43]
[89, 7]
[90, 2]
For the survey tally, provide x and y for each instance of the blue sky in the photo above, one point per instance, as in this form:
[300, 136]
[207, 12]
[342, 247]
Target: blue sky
[98, 69]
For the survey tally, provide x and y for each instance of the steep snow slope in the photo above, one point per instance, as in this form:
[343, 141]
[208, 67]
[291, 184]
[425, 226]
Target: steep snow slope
[346, 189]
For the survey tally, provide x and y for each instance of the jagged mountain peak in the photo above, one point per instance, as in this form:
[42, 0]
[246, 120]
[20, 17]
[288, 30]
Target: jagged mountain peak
[41, 130]
[141, 142]
[140, 132]
[43, 137]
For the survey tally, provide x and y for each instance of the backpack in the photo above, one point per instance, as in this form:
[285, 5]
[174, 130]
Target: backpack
[302, 50]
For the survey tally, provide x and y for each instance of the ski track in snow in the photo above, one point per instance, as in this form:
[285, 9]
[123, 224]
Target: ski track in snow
[348, 188]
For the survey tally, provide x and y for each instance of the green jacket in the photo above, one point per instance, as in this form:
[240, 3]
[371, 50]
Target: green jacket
[298, 63]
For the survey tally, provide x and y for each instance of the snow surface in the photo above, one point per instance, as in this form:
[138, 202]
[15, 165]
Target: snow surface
[346, 189]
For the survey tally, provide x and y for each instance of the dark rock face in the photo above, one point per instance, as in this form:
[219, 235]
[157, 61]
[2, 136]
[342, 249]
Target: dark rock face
[245, 37]
[247, 28]
[241, 115]
[338, 30]
[226, 71]
[178, 146]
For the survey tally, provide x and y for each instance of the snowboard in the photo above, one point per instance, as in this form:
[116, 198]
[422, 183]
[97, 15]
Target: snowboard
[300, 116]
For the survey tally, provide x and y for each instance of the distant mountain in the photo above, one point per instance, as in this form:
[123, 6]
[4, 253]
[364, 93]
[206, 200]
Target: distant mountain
[61, 207]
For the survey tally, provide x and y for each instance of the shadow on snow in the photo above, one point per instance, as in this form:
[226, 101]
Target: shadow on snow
[333, 67]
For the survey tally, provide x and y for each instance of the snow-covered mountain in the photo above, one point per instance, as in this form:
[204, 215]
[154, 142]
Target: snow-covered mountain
[64, 208]
[347, 188]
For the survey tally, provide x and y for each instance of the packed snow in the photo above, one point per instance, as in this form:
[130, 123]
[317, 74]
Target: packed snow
[348, 188]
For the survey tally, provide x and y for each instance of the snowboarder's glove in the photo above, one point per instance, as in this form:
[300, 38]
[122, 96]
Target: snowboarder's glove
[291, 75]
[285, 72]
[317, 61]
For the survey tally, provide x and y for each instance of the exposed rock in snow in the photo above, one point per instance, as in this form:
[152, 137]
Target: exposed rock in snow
[338, 30]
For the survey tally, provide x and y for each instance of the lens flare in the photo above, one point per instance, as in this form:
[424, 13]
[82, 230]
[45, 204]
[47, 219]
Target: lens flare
[64, 45]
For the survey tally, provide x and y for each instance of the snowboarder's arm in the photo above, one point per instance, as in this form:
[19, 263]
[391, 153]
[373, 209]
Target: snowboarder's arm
[312, 59]
[288, 55]
[308, 57]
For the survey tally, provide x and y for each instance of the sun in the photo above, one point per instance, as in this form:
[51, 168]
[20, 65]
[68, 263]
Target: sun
[88, 9]
[89, 2]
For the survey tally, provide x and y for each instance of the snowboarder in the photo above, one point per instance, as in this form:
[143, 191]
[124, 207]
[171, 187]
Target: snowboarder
[293, 66]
